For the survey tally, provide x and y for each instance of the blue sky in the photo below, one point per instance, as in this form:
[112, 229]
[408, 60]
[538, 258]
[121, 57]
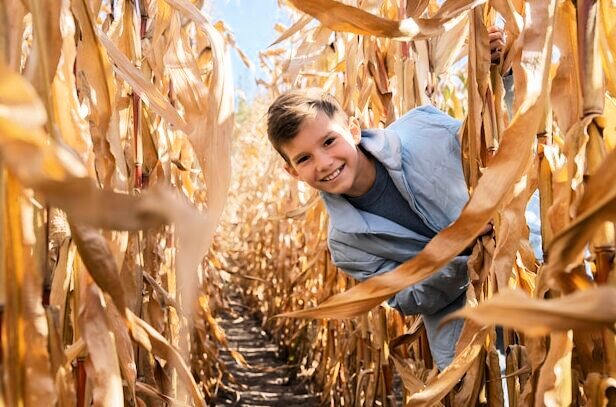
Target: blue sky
[252, 23]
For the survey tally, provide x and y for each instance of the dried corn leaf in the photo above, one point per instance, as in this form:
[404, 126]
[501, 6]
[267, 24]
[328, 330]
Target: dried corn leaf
[593, 308]
[73, 128]
[340, 17]
[597, 205]
[93, 63]
[102, 363]
[146, 90]
[296, 27]
[566, 97]
[99, 261]
[153, 341]
[12, 14]
[43, 59]
[607, 39]
[448, 378]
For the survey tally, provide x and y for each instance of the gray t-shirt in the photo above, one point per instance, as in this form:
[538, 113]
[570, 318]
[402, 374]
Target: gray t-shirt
[385, 200]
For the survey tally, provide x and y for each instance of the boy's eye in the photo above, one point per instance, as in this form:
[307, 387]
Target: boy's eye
[329, 141]
[301, 159]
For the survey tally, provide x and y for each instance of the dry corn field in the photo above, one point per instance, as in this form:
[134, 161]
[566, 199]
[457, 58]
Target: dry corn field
[137, 196]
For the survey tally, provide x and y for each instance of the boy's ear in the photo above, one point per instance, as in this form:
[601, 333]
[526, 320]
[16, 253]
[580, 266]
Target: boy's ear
[290, 170]
[355, 129]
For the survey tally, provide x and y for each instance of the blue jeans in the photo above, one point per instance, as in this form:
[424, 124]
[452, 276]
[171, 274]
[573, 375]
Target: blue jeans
[443, 341]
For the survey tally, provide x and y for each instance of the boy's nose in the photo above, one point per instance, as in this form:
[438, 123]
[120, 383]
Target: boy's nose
[324, 162]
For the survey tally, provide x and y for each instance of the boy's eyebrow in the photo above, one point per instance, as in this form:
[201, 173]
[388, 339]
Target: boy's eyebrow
[329, 133]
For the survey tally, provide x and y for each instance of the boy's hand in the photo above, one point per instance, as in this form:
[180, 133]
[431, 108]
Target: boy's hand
[487, 230]
[497, 43]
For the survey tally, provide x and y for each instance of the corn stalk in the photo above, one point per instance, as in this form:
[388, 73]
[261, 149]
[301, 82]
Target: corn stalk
[115, 121]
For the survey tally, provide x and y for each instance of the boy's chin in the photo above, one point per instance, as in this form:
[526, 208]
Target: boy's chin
[334, 189]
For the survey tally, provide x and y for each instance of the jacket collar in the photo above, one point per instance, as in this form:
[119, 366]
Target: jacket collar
[385, 146]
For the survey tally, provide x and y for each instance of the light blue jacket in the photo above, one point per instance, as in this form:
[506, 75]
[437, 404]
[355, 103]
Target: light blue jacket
[421, 153]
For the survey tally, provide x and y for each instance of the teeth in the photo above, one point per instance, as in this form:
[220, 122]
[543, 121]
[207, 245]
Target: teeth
[332, 175]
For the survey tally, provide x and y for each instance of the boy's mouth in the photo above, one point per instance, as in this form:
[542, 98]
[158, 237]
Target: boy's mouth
[334, 174]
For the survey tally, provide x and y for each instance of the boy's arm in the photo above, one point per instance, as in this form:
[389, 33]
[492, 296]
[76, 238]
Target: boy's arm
[426, 297]
[434, 293]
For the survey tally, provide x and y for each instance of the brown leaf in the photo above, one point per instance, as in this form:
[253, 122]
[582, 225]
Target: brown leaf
[607, 39]
[142, 86]
[124, 348]
[102, 362]
[441, 385]
[97, 86]
[591, 70]
[297, 26]
[340, 17]
[589, 309]
[43, 60]
[12, 13]
[598, 205]
[73, 129]
[211, 140]
[566, 97]
[554, 385]
[98, 259]
[411, 383]
[510, 233]
[154, 342]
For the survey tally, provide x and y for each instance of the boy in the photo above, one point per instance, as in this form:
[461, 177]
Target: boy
[387, 192]
[385, 199]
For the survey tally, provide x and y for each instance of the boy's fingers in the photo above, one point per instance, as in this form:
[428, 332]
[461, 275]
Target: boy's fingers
[496, 36]
[497, 44]
[494, 29]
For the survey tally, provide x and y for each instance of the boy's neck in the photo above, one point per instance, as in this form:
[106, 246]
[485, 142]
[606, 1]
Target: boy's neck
[366, 174]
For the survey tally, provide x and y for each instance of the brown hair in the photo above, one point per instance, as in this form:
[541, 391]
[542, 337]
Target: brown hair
[289, 111]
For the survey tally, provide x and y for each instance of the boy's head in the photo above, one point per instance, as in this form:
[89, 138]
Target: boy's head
[317, 141]
[290, 110]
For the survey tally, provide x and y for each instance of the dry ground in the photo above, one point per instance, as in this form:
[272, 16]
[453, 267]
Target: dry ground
[267, 380]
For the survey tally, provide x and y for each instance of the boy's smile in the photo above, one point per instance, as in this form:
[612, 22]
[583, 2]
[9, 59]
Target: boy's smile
[324, 154]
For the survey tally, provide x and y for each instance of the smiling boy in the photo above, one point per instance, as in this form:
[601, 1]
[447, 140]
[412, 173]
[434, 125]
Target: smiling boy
[388, 192]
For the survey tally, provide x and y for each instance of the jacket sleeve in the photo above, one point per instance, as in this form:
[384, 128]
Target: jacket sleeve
[426, 297]
[435, 292]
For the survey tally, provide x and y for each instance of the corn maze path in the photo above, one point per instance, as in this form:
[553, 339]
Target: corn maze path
[267, 380]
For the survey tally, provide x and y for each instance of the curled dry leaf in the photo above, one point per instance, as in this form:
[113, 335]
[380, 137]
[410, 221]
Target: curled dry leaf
[444, 382]
[598, 205]
[154, 342]
[593, 308]
[340, 17]
[607, 38]
[554, 387]
[102, 363]
[409, 379]
[93, 60]
[146, 90]
[43, 60]
[98, 259]
[296, 27]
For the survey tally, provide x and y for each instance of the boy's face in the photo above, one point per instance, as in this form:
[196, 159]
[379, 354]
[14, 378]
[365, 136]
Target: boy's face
[324, 154]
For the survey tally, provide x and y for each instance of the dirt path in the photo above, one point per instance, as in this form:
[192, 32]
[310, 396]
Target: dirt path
[266, 381]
